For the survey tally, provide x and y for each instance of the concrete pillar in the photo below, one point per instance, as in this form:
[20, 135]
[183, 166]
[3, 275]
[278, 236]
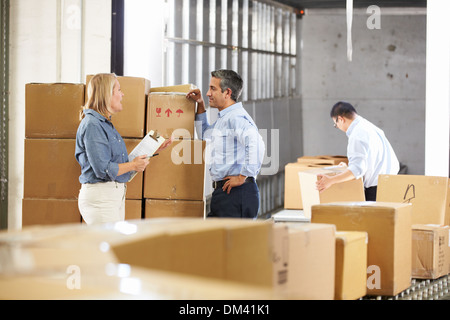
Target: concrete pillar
[437, 132]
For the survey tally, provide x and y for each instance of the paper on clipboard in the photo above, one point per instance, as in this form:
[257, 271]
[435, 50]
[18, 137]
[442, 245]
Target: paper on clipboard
[148, 146]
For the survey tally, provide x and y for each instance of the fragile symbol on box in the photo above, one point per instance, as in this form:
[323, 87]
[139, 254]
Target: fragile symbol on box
[168, 112]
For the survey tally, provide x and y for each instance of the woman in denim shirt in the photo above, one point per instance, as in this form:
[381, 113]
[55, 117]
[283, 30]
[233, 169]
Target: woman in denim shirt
[102, 154]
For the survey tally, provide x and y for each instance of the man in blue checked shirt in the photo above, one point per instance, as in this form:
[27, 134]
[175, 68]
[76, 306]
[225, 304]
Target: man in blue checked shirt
[237, 148]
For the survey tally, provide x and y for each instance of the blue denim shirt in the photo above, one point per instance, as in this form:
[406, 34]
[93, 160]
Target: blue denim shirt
[99, 150]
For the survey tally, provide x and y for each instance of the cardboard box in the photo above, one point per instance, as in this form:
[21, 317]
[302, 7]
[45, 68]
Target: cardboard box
[182, 88]
[135, 187]
[49, 212]
[323, 160]
[351, 265]
[52, 110]
[430, 251]
[130, 122]
[231, 249]
[388, 226]
[292, 193]
[157, 208]
[352, 190]
[429, 195]
[170, 113]
[311, 261]
[177, 173]
[50, 169]
[133, 209]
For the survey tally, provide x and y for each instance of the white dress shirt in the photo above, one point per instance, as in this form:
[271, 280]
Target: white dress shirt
[369, 152]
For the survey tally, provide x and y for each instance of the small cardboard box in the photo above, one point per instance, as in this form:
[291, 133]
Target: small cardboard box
[49, 212]
[311, 261]
[177, 173]
[352, 190]
[430, 251]
[171, 113]
[388, 226]
[429, 195]
[157, 208]
[50, 169]
[130, 122]
[351, 265]
[52, 110]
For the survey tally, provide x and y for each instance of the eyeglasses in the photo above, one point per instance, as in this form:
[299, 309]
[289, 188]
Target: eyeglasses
[335, 123]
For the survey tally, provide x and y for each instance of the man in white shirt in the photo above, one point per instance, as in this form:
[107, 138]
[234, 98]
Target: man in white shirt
[369, 151]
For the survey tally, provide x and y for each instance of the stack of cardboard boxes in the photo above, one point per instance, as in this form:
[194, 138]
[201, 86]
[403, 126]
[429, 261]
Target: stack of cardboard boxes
[51, 172]
[174, 180]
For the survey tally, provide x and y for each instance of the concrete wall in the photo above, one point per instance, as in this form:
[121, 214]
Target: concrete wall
[385, 80]
[50, 41]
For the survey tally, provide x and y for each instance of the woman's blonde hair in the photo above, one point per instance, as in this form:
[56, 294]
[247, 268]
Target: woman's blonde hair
[100, 91]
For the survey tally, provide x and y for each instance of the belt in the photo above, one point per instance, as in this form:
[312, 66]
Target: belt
[219, 184]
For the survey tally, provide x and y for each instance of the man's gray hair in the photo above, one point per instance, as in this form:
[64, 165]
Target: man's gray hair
[229, 80]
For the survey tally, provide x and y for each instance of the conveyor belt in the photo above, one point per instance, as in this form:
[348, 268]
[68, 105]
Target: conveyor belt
[438, 289]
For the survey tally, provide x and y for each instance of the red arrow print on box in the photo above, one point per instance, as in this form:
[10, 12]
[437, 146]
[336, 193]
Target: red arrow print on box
[168, 112]
[179, 111]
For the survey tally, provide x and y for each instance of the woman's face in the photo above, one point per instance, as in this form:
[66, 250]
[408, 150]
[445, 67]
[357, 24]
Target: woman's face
[116, 99]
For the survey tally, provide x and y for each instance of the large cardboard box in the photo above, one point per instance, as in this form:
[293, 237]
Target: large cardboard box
[170, 113]
[130, 122]
[388, 226]
[430, 251]
[50, 169]
[352, 190]
[157, 208]
[311, 261]
[236, 250]
[49, 212]
[429, 195]
[52, 110]
[351, 265]
[177, 173]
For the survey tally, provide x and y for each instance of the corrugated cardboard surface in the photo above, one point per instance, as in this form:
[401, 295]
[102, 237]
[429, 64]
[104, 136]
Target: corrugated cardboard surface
[171, 113]
[157, 208]
[50, 169]
[430, 245]
[311, 261]
[241, 250]
[351, 265]
[52, 110]
[429, 195]
[388, 226]
[177, 173]
[49, 211]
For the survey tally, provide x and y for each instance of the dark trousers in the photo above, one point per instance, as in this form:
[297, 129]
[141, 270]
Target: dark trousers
[371, 193]
[242, 202]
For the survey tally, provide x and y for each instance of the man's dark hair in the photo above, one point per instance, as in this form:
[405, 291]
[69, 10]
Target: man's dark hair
[343, 109]
[229, 80]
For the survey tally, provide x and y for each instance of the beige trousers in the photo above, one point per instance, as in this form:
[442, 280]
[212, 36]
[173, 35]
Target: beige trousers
[102, 202]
